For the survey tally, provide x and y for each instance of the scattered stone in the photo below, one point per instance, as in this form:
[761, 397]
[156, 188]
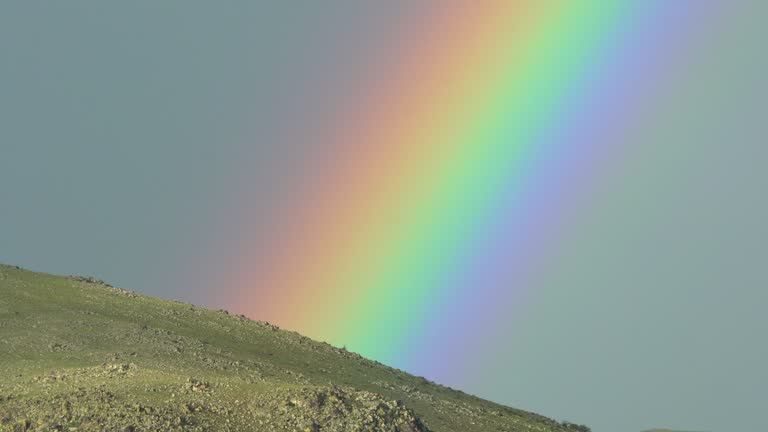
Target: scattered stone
[197, 386]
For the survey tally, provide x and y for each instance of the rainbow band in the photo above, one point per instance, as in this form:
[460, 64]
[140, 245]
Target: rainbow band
[457, 176]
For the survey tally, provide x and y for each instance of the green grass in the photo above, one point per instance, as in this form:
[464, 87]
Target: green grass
[77, 354]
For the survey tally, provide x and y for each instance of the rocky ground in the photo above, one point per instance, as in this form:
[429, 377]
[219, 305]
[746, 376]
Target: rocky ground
[77, 354]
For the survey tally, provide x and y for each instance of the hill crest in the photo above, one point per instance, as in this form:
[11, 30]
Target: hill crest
[84, 355]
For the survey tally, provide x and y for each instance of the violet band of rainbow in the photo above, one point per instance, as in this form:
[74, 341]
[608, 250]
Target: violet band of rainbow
[456, 179]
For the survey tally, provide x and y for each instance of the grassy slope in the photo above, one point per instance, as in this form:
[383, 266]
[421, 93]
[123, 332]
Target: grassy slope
[79, 355]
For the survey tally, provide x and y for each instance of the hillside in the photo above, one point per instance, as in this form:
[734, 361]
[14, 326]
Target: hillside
[79, 354]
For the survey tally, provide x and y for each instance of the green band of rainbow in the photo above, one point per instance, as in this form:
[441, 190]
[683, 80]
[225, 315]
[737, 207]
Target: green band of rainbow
[455, 177]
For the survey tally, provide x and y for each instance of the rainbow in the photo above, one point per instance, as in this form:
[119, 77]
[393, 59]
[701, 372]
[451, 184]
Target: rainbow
[454, 181]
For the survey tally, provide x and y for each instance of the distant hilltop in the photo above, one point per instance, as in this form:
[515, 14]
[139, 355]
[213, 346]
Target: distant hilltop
[667, 430]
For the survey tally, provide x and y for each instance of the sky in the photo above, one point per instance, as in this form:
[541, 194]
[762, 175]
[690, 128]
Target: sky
[145, 143]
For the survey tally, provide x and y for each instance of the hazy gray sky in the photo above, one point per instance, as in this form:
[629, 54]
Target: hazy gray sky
[127, 129]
